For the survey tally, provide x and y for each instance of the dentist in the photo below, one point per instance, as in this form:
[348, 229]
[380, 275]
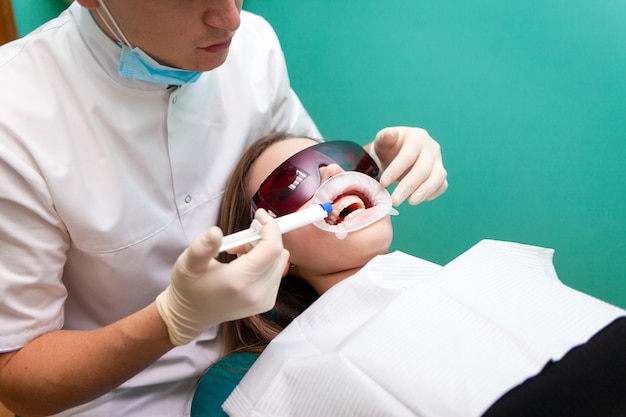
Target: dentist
[120, 122]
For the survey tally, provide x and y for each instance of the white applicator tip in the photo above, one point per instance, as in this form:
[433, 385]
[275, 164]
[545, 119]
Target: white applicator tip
[286, 223]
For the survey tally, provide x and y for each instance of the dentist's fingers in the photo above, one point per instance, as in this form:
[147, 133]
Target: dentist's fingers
[201, 250]
[204, 292]
[413, 159]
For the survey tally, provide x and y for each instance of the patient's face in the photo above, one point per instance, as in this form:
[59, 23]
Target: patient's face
[321, 258]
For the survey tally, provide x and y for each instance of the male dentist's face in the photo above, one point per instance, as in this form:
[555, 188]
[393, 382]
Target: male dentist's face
[189, 34]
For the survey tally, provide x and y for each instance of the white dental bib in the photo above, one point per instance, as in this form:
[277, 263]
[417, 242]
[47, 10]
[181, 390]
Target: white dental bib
[404, 337]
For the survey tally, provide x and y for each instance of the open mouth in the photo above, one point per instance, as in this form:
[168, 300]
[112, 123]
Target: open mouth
[358, 200]
[346, 206]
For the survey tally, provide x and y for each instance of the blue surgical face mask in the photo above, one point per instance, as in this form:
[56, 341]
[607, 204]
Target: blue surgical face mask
[136, 64]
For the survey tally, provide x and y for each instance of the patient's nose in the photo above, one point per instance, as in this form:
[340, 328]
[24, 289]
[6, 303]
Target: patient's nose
[328, 171]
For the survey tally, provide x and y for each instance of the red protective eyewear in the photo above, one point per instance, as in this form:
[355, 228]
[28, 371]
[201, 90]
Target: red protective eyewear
[297, 179]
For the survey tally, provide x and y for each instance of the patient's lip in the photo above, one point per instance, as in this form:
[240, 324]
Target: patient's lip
[375, 198]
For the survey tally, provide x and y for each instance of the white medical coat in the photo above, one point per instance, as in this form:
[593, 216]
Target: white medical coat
[106, 180]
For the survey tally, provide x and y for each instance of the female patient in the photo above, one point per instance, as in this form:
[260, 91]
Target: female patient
[280, 174]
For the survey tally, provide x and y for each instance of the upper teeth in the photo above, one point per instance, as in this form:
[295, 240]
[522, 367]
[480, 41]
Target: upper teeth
[341, 204]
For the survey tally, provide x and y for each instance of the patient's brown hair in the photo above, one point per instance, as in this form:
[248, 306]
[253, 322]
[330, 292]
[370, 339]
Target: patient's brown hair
[252, 334]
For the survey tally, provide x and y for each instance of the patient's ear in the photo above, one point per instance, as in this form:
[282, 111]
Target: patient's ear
[287, 266]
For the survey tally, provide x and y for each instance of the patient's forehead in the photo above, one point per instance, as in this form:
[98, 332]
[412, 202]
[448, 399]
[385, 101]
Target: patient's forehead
[272, 157]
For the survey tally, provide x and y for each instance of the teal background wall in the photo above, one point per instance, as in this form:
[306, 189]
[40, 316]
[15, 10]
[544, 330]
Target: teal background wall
[31, 13]
[528, 101]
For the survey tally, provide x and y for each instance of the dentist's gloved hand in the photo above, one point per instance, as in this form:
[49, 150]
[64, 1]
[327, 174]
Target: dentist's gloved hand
[409, 155]
[204, 292]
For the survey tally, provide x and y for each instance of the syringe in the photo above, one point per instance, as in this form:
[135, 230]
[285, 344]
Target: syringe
[286, 224]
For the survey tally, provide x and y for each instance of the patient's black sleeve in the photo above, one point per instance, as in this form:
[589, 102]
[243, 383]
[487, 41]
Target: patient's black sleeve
[589, 381]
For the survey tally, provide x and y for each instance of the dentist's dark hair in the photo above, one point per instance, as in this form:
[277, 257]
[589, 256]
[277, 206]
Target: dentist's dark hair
[253, 334]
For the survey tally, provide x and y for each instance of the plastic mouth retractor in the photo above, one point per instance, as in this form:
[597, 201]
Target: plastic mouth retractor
[360, 184]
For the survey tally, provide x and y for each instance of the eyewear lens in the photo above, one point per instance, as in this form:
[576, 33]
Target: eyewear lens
[295, 181]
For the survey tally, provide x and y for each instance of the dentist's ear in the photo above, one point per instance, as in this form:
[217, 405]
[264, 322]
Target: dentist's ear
[89, 4]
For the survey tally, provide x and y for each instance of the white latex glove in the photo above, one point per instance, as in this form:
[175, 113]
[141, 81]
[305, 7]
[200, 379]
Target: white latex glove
[409, 155]
[204, 292]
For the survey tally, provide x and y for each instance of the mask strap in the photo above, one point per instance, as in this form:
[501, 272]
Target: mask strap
[118, 32]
